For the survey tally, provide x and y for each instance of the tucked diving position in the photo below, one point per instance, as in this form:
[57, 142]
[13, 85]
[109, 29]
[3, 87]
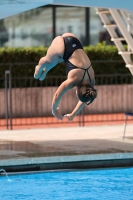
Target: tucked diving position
[68, 49]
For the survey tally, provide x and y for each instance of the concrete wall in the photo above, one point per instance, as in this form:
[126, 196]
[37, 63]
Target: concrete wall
[29, 102]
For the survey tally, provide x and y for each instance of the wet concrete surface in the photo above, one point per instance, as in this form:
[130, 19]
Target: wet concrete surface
[65, 141]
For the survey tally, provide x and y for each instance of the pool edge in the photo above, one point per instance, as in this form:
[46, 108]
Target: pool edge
[92, 161]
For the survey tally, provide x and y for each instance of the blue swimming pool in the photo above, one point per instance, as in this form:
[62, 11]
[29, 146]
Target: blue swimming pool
[112, 184]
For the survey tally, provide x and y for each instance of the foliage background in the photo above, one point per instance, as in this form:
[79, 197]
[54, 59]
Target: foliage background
[105, 60]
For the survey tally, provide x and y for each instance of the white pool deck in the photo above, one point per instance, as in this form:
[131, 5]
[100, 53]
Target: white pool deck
[109, 132]
[103, 142]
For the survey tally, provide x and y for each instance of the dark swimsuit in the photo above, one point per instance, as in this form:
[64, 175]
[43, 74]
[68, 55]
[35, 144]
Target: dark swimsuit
[71, 44]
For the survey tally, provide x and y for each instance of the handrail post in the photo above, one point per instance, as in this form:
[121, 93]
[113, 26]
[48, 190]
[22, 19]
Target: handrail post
[82, 115]
[81, 118]
[6, 99]
[8, 111]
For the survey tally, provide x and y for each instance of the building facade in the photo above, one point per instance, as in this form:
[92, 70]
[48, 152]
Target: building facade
[38, 27]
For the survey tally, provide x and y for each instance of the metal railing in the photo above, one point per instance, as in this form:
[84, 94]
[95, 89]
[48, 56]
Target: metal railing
[27, 102]
[8, 98]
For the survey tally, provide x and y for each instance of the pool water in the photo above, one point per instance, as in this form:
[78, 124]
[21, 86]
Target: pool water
[111, 184]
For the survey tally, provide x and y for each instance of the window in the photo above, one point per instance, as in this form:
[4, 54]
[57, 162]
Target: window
[3, 33]
[95, 27]
[31, 28]
[71, 19]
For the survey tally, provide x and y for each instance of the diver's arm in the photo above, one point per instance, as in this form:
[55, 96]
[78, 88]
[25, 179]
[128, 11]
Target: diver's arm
[80, 105]
[63, 88]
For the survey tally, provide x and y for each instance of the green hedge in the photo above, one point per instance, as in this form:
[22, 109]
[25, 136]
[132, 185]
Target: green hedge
[105, 60]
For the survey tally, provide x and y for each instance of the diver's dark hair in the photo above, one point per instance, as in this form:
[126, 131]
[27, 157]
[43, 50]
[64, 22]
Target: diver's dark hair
[86, 93]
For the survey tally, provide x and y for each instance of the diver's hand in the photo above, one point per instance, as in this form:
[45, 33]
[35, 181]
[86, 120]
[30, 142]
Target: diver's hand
[70, 117]
[57, 114]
